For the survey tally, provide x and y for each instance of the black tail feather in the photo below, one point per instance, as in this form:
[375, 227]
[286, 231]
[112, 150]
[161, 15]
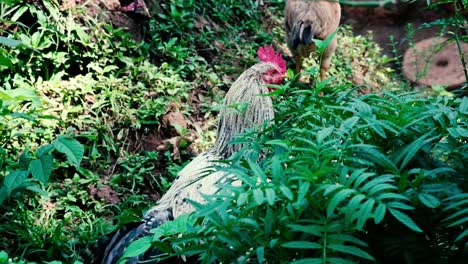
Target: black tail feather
[301, 34]
[123, 238]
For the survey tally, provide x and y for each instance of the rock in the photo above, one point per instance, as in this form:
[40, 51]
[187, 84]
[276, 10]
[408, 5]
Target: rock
[425, 64]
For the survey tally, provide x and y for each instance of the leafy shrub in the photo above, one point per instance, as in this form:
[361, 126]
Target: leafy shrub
[339, 178]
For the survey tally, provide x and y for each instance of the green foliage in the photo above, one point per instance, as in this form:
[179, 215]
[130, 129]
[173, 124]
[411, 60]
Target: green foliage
[339, 178]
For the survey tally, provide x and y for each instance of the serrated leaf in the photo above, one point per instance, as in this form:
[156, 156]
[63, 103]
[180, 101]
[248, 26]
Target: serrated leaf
[71, 148]
[42, 168]
[404, 219]
[429, 200]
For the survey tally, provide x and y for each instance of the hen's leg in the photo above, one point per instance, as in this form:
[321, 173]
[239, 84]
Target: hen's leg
[326, 59]
[298, 60]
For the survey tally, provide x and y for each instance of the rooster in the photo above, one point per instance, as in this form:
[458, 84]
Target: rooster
[307, 20]
[193, 181]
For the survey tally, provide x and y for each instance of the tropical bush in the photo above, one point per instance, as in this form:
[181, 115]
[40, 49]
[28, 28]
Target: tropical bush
[339, 178]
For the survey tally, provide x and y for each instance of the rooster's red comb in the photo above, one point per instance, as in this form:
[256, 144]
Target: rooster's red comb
[268, 54]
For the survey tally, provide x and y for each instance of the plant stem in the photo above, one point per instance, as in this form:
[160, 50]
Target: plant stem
[460, 51]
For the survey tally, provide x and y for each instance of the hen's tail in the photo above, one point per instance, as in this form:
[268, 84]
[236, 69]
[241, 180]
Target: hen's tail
[301, 33]
[124, 237]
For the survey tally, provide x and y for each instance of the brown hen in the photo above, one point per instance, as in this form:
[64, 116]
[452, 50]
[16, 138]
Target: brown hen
[307, 20]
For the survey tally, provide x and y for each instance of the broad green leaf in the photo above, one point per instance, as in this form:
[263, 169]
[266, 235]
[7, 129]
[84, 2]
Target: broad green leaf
[13, 180]
[258, 196]
[12, 43]
[71, 148]
[270, 196]
[257, 170]
[242, 199]
[24, 160]
[349, 123]
[286, 192]
[302, 245]
[5, 61]
[44, 150]
[429, 200]
[3, 194]
[404, 219]
[137, 247]
[323, 44]
[322, 134]
[42, 168]
[260, 254]
[3, 257]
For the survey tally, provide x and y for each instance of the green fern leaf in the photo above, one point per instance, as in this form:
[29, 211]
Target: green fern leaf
[365, 213]
[338, 198]
[352, 250]
[379, 213]
[429, 200]
[302, 245]
[404, 219]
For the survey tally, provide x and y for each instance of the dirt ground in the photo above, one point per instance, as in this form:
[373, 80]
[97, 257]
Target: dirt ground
[392, 21]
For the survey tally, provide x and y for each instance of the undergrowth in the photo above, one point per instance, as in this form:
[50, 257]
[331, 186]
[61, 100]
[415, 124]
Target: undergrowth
[84, 149]
[338, 178]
